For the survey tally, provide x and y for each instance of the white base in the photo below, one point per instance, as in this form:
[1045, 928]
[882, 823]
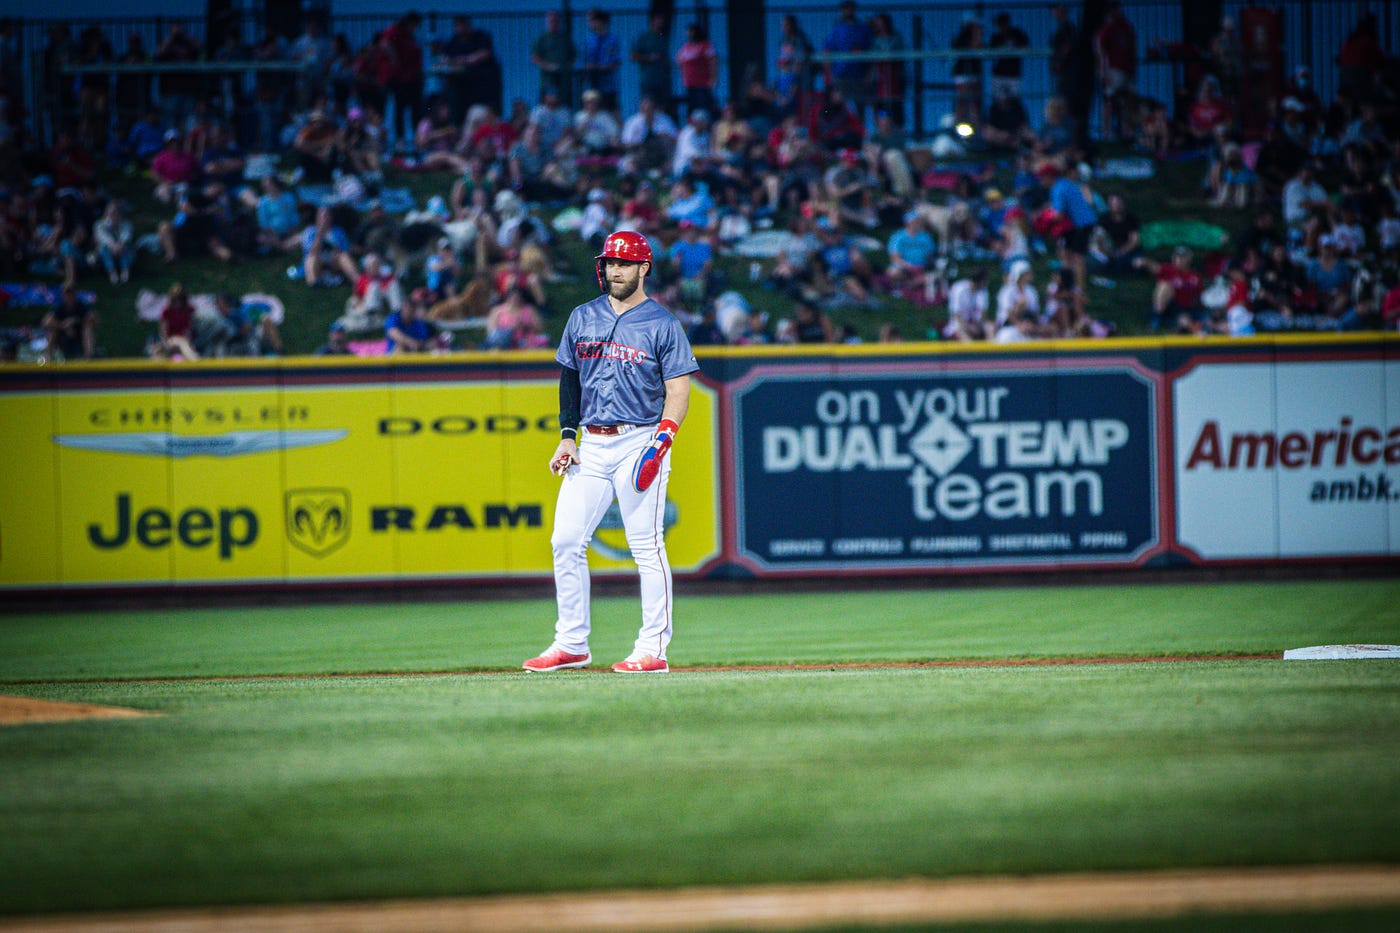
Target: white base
[1341, 652]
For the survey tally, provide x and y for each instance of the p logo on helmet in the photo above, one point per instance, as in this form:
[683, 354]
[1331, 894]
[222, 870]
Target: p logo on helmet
[624, 244]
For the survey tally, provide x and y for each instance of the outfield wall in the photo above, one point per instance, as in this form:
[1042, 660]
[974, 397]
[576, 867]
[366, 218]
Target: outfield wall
[919, 459]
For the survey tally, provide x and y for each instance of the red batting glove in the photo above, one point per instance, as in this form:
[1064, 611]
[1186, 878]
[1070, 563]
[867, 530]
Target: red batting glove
[649, 463]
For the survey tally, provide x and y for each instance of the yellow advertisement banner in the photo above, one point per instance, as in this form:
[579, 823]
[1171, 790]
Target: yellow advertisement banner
[29, 500]
[300, 481]
[327, 490]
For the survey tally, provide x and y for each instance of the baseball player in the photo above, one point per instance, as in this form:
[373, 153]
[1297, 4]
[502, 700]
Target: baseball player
[623, 393]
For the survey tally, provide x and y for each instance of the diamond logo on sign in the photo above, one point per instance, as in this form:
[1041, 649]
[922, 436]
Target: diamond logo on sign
[940, 445]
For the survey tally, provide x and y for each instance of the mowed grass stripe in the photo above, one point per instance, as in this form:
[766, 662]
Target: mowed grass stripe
[1084, 898]
[711, 630]
[697, 669]
[343, 789]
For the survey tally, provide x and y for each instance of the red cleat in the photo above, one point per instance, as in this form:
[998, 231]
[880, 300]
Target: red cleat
[646, 664]
[557, 660]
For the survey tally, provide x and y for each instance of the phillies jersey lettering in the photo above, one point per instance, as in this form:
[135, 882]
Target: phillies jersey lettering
[623, 360]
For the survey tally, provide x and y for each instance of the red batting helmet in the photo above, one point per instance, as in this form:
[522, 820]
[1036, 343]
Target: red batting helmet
[624, 244]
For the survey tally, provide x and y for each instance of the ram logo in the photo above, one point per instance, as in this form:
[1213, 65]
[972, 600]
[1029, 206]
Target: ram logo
[318, 520]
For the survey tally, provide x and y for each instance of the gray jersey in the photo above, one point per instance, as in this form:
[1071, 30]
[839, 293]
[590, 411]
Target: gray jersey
[623, 360]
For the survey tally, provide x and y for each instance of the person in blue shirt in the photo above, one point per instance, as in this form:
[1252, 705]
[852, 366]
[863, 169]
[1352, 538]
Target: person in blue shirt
[1025, 187]
[693, 260]
[148, 137]
[1331, 276]
[223, 161]
[848, 34]
[991, 213]
[406, 330]
[602, 57]
[441, 271]
[278, 217]
[912, 251]
[325, 246]
[841, 263]
[228, 333]
[690, 202]
[1069, 201]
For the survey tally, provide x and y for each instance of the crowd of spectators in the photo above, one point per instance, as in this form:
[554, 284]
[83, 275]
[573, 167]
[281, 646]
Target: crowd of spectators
[810, 180]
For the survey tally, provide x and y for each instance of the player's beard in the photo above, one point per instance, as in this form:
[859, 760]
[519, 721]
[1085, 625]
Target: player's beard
[621, 291]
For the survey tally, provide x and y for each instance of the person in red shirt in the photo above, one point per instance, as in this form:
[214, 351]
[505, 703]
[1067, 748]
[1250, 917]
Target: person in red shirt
[512, 274]
[406, 85]
[781, 134]
[699, 67]
[172, 166]
[376, 293]
[831, 122]
[1115, 49]
[1208, 112]
[374, 68]
[492, 137]
[1239, 293]
[1360, 59]
[1390, 308]
[177, 325]
[1178, 291]
[70, 163]
[1235, 317]
[642, 208]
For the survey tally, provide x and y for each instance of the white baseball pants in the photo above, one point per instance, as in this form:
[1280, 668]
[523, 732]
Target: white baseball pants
[604, 472]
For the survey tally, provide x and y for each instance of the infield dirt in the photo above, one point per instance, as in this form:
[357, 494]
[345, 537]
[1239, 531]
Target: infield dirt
[18, 711]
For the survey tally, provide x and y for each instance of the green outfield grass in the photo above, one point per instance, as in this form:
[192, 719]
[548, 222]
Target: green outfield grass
[765, 628]
[282, 790]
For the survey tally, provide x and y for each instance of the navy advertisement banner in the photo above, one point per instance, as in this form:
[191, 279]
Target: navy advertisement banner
[893, 466]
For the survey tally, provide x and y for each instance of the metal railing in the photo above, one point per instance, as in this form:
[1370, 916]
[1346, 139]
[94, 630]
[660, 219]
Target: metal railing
[1313, 32]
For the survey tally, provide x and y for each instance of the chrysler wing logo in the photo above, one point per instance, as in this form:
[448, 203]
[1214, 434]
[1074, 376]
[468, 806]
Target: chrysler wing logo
[231, 444]
[318, 520]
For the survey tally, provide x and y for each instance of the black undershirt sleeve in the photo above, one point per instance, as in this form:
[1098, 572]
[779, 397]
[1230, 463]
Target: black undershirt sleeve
[570, 401]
